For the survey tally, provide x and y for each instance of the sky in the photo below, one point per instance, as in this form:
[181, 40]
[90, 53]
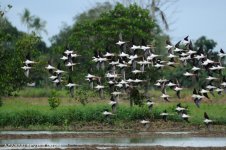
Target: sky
[186, 17]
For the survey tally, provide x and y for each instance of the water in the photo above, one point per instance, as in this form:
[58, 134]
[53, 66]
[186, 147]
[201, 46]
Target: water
[88, 132]
[106, 142]
[52, 132]
[167, 133]
[124, 142]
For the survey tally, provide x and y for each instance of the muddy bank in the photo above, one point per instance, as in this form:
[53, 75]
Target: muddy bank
[110, 134]
[132, 126]
[132, 129]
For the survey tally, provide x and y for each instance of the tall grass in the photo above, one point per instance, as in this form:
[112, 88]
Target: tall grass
[36, 115]
[18, 113]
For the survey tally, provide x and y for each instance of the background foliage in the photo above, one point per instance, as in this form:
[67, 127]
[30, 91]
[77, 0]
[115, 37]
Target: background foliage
[95, 29]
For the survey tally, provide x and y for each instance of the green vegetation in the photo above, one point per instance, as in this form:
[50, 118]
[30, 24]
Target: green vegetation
[33, 22]
[1, 103]
[96, 29]
[136, 97]
[17, 113]
[102, 31]
[14, 46]
[81, 96]
[54, 101]
[39, 92]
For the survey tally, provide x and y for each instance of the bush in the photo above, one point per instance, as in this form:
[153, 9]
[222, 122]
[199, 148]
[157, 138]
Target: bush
[81, 96]
[136, 97]
[1, 103]
[54, 101]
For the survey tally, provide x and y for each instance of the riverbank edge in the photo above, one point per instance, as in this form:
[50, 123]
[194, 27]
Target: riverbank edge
[123, 129]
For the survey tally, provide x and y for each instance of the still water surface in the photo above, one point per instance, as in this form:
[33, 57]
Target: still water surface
[118, 141]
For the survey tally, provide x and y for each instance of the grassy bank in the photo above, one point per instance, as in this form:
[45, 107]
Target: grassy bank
[20, 113]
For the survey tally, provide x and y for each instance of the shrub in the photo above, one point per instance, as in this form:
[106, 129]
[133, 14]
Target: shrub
[54, 101]
[81, 96]
[136, 97]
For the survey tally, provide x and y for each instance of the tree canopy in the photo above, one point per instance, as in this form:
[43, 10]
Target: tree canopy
[88, 35]
[96, 29]
[14, 45]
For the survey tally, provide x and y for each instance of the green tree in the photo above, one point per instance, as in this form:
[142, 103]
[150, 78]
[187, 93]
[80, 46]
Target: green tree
[86, 35]
[39, 25]
[93, 13]
[60, 40]
[11, 77]
[32, 43]
[208, 46]
[27, 18]
[33, 22]
[14, 45]
[155, 8]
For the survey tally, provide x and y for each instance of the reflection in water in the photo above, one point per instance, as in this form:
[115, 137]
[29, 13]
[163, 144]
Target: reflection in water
[119, 141]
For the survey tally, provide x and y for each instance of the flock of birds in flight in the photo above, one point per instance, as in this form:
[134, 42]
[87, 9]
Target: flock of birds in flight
[135, 59]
